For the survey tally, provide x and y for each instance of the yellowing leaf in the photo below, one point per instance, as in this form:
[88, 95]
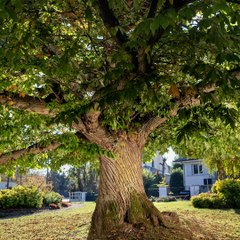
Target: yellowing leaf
[10, 103]
[13, 88]
[174, 91]
[21, 94]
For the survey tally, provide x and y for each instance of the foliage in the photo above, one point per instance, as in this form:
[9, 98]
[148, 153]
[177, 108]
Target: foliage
[142, 65]
[229, 190]
[176, 181]
[52, 197]
[35, 180]
[79, 77]
[163, 199]
[29, 197]
[151, 183]
[218, 147]
[208, 200]
[177, 165]
[91, 196]
[83, 178]
[59, 182]
[226, 194]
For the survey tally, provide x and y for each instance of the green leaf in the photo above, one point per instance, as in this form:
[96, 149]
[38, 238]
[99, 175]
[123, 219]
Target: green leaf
[163, 21]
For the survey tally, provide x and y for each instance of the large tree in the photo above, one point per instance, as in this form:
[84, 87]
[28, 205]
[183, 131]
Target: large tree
[87, 79]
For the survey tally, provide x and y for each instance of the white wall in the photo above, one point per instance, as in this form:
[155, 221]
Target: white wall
[191, 179]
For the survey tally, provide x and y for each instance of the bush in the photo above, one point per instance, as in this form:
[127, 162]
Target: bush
[229, 190]
[163, 199]
[91, 196]
[153, 191]
[208, 200]
[29, 197]
[176, 181]
[52, 197]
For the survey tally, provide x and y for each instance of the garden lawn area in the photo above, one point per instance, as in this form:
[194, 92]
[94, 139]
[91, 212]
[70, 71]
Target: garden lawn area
[73, 223]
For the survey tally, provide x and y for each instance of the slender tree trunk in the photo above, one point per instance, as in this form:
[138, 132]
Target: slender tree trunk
[79, 180]
[84, 177]
[8, 183]
[122, 203]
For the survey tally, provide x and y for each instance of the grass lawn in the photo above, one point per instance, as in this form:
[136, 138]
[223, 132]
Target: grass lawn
[73, 223]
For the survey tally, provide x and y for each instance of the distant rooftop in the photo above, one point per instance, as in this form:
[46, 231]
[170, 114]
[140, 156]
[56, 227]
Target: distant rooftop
[179, 160]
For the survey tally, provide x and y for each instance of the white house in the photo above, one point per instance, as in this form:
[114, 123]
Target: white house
[196, 177]
[158, 165]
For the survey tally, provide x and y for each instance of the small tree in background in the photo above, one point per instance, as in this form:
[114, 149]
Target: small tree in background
[177, 165]
[150, 182]
[176, 181]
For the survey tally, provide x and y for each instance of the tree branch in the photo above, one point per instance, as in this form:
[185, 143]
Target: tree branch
[90, 127]
[149, 126]
[177, 5]
[153, 8]
[33, 149]
[110, 21]
[154, 122]
[28, 103]
[233, 1]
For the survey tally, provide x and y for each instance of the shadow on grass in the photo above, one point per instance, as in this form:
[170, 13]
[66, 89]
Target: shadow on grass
[20, 212]
[237, 211]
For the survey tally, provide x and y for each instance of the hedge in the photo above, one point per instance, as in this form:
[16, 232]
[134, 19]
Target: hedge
[27, 197]
[225, 194]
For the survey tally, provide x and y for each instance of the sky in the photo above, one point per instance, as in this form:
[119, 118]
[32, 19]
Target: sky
[170, 156]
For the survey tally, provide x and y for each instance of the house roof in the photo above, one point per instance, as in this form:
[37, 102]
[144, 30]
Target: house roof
[180, 160]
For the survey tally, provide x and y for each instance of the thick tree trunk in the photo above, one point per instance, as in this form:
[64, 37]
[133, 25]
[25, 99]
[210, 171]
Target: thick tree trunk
[122, 204]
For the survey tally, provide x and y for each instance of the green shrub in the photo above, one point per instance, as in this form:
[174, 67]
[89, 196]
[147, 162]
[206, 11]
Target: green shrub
[163, 199]
[176, 181]
[229, 190]
[208, 200]
[52, 197]
[29, 197]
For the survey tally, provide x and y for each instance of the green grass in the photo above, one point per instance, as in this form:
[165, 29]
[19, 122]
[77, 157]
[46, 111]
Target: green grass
[222, 224]
[73, 223]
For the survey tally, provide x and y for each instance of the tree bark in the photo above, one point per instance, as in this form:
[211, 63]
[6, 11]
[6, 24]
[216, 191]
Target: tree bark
[122, 203]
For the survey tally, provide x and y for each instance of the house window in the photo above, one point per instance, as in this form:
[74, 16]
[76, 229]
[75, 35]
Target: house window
[207, 181]
[197, 169]
[153, 166]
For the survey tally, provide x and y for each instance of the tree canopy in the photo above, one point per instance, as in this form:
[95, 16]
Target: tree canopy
[82, 79]
[128, 62]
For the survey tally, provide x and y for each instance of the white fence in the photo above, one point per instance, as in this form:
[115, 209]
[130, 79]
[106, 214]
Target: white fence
[77, 196]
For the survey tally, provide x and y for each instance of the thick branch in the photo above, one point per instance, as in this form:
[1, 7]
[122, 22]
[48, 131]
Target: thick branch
[153, 8]
[110, 21]
[33, 149]
[28, 103]
[149, 126]
[90, 127]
